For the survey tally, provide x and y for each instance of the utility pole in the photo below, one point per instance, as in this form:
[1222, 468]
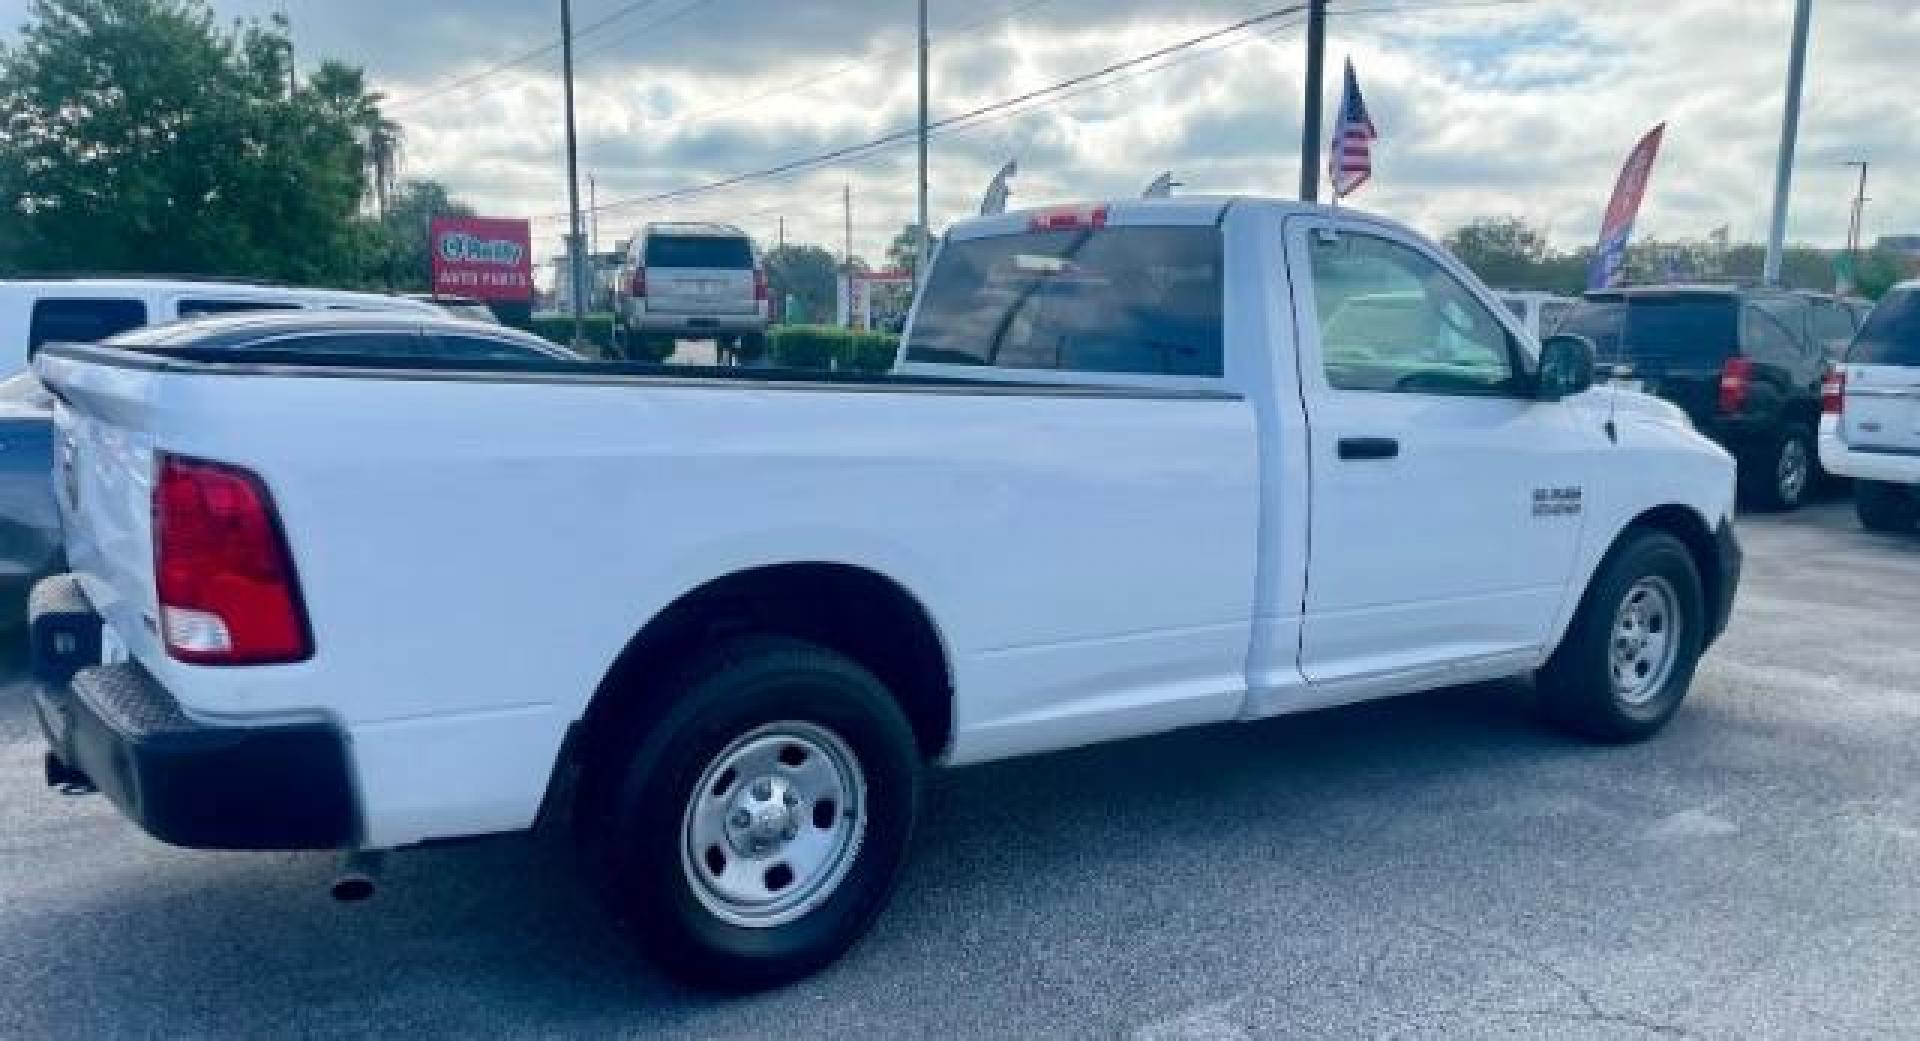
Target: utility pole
[576, 262]
[926, 233]
[847, 256]
[1789, 128]
[783, 232]
[1315, 90]
[593, 215]
[1854, 228]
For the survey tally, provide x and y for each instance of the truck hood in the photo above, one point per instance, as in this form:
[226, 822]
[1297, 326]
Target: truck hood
[1647, 408]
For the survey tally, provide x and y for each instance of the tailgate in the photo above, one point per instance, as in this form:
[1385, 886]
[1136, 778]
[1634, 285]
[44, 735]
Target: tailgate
[700, 291]
[103, 474]
[1883, 408]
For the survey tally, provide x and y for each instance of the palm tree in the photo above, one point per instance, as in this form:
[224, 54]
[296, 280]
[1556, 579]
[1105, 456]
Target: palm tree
[342, 90]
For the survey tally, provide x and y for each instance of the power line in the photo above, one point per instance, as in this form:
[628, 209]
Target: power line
[521, 59]
[1005, 103]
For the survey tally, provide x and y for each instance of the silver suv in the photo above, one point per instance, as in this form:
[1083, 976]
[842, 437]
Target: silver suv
[691, 281]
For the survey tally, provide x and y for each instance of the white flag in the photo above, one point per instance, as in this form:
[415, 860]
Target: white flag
[995, 201]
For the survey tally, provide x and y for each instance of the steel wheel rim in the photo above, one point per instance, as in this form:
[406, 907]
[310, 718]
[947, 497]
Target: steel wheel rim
[1794, 465]
[774, 824]
[1645, 641]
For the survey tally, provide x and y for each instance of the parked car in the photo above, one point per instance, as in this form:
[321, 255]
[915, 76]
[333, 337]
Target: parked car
[691, 281]
[1741, 361]
[1539, 313]
[1871, 427]
[459, 307]
[29, 518]
[34, 311]
[1092, 501]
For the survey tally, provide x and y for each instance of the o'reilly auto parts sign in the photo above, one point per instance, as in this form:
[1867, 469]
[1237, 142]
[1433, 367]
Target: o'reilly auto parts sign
[489, 258]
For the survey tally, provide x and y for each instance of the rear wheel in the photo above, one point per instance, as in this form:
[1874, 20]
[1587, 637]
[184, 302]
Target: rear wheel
[1885, 507]
[1778, 476]
[751, 828]
[1628, 657]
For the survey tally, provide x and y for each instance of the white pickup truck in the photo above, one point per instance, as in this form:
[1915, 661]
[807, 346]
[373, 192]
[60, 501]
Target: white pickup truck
[1140, 466]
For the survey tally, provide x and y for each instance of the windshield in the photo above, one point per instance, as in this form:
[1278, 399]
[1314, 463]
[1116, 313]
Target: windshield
[1892, 333]
[1669, 326]
[1138, 300]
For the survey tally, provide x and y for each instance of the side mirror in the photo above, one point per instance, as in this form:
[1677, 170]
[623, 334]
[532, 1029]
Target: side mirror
[1566, 367]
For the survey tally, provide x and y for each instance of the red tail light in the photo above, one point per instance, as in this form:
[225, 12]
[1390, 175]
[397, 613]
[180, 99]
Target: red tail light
[637, 282]
[1072, 218]
[759, 285]
[228, 593]
[1735, 377]
[1833, 392]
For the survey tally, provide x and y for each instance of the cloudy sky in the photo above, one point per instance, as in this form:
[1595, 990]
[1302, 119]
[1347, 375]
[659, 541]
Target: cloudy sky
[1520, 107]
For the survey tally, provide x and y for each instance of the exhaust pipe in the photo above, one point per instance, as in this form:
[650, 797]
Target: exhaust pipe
[359, 875]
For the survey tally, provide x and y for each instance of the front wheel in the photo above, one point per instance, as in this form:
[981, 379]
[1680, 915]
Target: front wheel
[1628, 658]
[752, 830]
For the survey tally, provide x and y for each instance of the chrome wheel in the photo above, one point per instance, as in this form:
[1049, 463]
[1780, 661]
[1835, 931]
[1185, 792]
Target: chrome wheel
[1646, 640]
[1794, 470]
[774, 824]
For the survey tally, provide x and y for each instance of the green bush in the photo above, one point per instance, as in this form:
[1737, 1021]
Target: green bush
[831, 347]
[559, 328]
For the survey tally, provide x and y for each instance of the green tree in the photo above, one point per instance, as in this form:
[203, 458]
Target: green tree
[405, 261]
[810, 275]
[903, 253]
[1506, 252]
[139, 135]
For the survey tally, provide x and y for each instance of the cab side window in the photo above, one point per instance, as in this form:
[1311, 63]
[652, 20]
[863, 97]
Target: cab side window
[82, 320]
[1763, 337]
[1392, 320]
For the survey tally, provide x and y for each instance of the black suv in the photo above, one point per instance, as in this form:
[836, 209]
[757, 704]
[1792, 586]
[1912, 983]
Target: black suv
[1745, 363]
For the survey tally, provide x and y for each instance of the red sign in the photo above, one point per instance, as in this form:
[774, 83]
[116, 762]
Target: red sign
[489, 258]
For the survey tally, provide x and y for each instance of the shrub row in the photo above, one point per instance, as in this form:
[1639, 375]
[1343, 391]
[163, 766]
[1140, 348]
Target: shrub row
[831, 347]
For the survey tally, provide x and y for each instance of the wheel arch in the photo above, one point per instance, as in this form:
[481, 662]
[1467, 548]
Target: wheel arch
[855, 611]
[1703, 545]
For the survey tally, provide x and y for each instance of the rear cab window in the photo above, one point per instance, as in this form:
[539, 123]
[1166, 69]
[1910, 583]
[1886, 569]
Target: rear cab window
[1142, 300]
[1892, 333]
[714, 252]
[82, 319]
[195, 307]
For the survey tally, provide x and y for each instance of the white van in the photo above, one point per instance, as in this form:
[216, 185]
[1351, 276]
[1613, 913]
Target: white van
[83, 310]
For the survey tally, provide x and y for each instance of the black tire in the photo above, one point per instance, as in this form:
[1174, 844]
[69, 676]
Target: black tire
[1780, 473]
[638, 802]
[1886, 507]
[1577, 689]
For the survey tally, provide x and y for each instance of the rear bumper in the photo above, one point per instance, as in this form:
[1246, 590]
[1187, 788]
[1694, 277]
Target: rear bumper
[277, 786]
[694, 325]
[1726, 547]
[1892, 467]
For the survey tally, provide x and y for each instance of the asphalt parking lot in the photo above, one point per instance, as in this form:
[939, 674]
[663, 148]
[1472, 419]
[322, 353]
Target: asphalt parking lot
[1433, 866]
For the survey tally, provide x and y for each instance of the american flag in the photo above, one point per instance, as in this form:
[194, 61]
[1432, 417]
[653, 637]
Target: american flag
[1350, 160]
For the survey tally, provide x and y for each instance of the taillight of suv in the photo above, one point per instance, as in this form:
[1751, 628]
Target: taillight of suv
[1736, 376]
[637, 283]
[1833, 392]
[759, 285]
[227, 589]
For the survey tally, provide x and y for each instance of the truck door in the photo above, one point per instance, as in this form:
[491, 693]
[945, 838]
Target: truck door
[1445, 503]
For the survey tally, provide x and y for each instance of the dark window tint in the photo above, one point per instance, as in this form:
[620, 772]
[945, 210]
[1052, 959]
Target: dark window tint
[1677, 327]
[1892, 333]
[192, 308]
[375, 345]
[707, 251]
[82, 321]
[1138, 300]
[485, 347]
[1551, 315]
[1763, 337]
[1791, 313]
